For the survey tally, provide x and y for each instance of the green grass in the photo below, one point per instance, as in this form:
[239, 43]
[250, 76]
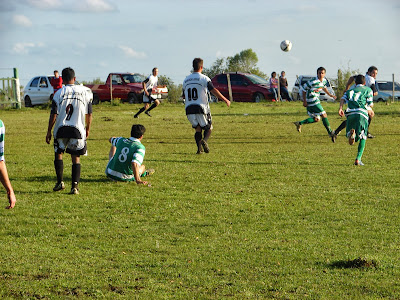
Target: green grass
[268, 214]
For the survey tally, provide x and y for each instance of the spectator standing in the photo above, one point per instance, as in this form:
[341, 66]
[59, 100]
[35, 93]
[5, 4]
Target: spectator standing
[56, 82]
[284, 87]
[273, 85]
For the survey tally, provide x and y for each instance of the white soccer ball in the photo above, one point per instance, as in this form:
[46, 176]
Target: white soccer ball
[286, 45]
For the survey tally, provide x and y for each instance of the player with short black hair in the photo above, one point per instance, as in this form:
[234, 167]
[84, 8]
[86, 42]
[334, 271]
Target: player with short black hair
[126, 157]
[71, 108]
[359, 100]
[149, 84]
[370, 77]
[311, 91]
[196, 88]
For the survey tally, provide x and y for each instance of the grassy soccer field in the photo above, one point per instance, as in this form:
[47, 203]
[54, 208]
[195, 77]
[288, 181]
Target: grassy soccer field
[268, 213]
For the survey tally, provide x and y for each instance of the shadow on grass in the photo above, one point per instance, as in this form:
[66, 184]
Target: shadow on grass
[53, 179]
[358, 263]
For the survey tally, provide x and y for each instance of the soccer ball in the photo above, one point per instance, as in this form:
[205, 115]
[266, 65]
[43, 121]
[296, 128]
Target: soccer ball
[286, 45]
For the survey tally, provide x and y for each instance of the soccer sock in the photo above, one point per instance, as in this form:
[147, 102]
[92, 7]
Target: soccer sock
[326, 124]
[369, 121]
[140, 111]
[341, 127]
[207, 134]
[152, 106]
[307, 121]
[59, 166]
[361, 147]
[197, 137]
[76, 174]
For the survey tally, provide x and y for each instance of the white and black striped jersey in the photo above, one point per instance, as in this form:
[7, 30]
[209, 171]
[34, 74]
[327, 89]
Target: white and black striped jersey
[196, 89]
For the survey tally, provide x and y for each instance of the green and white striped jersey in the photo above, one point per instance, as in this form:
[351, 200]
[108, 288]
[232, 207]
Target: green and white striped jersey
[313, 88]
[128, 151]
[359, 100]
[2, 132]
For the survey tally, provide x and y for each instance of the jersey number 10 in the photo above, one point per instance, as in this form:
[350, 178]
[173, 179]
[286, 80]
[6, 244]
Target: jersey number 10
[192, 94]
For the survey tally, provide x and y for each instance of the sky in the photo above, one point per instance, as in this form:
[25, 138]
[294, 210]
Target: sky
[96, 37]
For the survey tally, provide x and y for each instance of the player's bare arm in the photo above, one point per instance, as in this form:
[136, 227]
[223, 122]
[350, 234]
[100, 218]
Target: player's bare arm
[349, 83]
[89, 118]
[304, 99]
[341, 112]
[52, 120]
[327, 92]
[144, 87]
[218, 94]
[136, 174]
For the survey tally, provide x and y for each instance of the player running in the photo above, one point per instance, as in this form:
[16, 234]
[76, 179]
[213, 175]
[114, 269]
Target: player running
[311, 91]
[126, 157]
[71, 108]
[370, 77]
[148, 85]
[359, 110]
[196, 88]
[5, 181]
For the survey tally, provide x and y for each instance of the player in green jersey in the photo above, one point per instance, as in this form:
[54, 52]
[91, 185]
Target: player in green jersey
[126, 157]
[359, 101]
[311, 91]
[3, 170]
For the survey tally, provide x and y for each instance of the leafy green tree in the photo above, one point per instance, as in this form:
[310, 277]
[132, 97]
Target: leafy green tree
[174, 91]
[343, 75]
[218, 67]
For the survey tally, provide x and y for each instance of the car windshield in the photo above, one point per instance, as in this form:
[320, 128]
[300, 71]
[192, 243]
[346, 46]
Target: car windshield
[256, 79]
[388, 86]
[133, 78]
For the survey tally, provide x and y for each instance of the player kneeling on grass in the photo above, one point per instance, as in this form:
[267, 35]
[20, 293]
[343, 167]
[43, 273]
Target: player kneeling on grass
[359, 101]
[126, 157]
[195, 89]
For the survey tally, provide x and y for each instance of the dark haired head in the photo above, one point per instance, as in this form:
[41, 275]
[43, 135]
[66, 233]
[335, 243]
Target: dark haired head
[154, 69]
[273, 74]
[137, 130]
[68, 74]
[321, 69]
[360, 79]
[197, 64]
[372, 68]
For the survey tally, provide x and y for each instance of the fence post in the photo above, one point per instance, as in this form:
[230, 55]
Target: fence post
[16, 86]
[393, 88]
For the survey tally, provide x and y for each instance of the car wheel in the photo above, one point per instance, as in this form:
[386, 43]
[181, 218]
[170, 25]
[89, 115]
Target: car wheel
[258, 97]
[28, 102]
[96, 99]
[132, 98]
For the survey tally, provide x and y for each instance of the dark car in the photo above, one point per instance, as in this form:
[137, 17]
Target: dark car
[246, 87]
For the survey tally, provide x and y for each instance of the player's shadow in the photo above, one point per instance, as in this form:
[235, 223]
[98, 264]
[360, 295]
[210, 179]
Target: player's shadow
[358, 263]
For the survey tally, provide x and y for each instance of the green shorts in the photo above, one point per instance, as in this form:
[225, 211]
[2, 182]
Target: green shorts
[360, 124]
[315, 111]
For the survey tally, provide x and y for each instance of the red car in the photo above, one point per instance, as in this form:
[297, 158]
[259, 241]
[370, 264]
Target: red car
[246, 87]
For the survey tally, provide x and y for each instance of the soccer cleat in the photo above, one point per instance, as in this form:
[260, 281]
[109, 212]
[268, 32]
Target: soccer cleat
[199, 152]
[148, 172]
[74, 191]
[136, 116]
[352, 137]
[205, 146]
[59, 186]
[298, 126]
[358, 163]
[147, 113]
[333, 136]
[370, 136]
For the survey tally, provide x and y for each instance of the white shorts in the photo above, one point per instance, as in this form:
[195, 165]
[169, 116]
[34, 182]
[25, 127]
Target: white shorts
[146, 99]
[202, 120]
[71, 145]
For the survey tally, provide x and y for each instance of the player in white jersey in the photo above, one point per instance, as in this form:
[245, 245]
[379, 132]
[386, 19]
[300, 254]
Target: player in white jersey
[3, 170]
[71, 109]
[370, 77]
[196, 88]
[149, 84]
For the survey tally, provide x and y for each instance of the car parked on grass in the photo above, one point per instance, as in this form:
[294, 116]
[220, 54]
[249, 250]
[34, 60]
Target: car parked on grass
[301, 80]
[246, 87]
[385, 91]
[38, 90]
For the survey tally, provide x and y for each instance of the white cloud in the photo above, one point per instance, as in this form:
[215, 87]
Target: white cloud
[21, 20]
[94, 6]
[45, 4]
[24, 48]
[132, 53]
